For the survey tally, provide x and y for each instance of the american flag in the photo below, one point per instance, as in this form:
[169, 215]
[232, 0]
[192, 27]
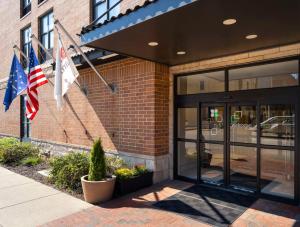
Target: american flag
[36, 78]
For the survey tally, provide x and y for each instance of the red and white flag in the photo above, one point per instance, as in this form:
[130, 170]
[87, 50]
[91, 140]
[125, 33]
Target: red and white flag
[36, 78]
[65, 73]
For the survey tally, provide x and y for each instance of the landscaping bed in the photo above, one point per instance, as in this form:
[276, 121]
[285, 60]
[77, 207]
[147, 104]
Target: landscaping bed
[65, 173]
[32, 172]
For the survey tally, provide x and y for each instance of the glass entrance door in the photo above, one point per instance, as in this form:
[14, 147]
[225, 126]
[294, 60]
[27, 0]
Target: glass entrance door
[261, 148]
[247, 146]
[277, 149]
[243, 146]
[212, 142]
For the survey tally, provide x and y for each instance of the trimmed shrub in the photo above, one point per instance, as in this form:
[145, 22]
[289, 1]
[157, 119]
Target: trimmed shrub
[67, 170]
[97, 167]
[12, 151]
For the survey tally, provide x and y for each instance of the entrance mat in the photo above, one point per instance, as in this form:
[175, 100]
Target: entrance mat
[209, 205]
[247, 180]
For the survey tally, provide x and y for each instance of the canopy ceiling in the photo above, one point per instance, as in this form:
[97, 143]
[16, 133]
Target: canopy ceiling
[196, 27]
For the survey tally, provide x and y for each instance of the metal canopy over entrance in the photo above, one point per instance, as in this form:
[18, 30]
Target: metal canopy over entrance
[196, 27]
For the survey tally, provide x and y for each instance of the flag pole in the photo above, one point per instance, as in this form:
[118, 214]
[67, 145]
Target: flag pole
[109, 86]
[15, 47]
[49, 55]
[42, 46]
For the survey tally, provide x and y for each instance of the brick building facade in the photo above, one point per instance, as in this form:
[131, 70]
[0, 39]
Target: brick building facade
[138, 122]
[132, 121]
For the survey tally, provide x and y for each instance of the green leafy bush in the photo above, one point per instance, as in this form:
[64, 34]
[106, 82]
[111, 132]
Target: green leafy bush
[12, 151]
[124, 173]
[139, 170]
[97, 165]
[6, 143]
[31, 161]
[67, 170]
[113, 163]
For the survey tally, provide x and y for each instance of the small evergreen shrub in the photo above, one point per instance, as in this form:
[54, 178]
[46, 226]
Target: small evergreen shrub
[31, 161]
[67, 170]
[97, 166]
[12, 151]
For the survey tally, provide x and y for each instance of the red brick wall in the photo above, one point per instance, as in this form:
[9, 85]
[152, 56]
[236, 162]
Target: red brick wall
[135, 119]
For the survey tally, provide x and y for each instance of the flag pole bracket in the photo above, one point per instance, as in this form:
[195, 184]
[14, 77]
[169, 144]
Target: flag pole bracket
[113, 87]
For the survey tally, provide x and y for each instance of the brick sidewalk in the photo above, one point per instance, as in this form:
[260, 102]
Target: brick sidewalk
[136, 210]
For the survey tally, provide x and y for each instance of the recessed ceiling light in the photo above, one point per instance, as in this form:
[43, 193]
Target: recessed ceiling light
[153, 44]
[252, 36]
[181, 52]
[230, 21]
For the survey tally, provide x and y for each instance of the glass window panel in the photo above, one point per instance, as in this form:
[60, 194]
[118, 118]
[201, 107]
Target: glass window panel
[278, 125]
[201, 83]
[99, 11]
[243, 167]
[45, 41]
[44, 25]
[277, 172]
[187, 159]
[187, 123]
[212, 123]
[212, 162]
[115, 11]
[243, 124]
[25, 50]
[51, 22]
[26, 35]
[51, 44]
[281, 74]
[26, 2]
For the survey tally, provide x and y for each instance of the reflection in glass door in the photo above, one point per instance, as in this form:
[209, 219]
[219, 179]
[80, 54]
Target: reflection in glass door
[243, 151]
[187, 142]
[245, 146]
[277, 160]
[212, 144]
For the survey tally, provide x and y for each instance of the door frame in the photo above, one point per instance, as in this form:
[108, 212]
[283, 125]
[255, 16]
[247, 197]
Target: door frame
[266, 95]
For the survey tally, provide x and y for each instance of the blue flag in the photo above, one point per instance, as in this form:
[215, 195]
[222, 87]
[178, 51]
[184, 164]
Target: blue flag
[17, 82]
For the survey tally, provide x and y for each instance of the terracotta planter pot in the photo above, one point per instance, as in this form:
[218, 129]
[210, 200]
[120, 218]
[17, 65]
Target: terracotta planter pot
[98, 191]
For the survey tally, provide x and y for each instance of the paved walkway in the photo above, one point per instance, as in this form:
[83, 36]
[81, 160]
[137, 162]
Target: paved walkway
[136, 210]
[25, 202]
